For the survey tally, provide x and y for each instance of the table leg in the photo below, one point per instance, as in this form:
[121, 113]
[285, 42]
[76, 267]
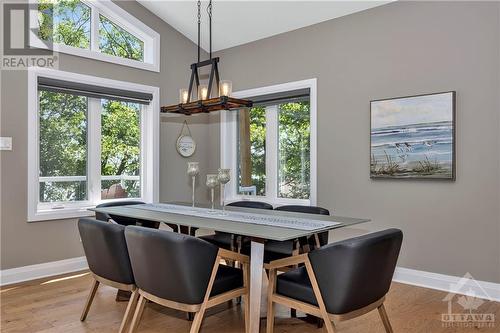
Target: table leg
[256, 265]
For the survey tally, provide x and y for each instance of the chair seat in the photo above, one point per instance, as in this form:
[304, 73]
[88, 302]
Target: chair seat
[221, 239]
[227, 278]
[296, 284]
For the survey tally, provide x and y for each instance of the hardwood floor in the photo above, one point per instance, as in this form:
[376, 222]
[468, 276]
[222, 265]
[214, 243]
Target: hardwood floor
[55, 305]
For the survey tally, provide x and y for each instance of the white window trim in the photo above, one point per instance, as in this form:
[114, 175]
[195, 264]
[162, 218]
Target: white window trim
[119, 17]
[150, 126]
[228, 149]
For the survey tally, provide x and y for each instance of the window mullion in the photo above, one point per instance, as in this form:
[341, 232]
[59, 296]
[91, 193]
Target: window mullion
[94, 29]
[94, 150]
[272, 152]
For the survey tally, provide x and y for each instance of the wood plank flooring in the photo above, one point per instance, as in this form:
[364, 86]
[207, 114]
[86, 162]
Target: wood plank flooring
[55, 304]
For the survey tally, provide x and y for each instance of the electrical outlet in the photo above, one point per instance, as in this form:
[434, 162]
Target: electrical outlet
[5, 143]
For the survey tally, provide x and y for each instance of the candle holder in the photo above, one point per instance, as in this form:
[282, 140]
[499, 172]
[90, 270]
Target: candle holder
[224, 176]
[193, 169]
[183, 96]
[212, 182]
[225, 88]
[203, 92]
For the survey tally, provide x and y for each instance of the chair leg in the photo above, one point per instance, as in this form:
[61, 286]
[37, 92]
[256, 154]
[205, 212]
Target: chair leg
[129, 311]
[385, 318]
[198, 319]
[189, 316]
[90, 298]
[137, 314]
[330, 327]
[270, 304]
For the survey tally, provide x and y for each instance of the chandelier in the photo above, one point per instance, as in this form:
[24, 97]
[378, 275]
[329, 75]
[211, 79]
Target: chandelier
[204, 102]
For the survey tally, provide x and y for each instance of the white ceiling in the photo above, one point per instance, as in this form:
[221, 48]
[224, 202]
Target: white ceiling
[238, 22]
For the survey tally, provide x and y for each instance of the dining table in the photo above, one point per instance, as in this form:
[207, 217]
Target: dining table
[258, 225]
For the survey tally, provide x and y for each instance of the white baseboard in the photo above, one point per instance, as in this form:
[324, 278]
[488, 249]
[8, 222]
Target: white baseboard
[447, 283]
[33, 272]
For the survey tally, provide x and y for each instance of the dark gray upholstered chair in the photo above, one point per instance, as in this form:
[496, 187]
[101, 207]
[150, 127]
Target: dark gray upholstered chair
[317, 240]
[106, 252]
[229, 241]
[124, 220]
[339, 281]
[184, 273]
[274, 250]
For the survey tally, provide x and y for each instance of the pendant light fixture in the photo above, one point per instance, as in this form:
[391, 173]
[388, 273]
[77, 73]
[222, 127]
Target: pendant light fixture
[204, 102]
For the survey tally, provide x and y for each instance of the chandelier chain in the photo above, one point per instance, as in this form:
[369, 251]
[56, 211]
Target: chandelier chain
[209, 10]
[199, 27]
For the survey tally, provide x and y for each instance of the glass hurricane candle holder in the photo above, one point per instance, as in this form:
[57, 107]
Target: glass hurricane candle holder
[183, 96]
[212, 182]
[203, 92]
[225, 88]
[193, 169]
[224, 176]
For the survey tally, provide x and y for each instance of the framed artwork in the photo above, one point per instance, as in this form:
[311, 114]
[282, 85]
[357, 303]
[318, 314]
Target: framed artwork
[413, 137]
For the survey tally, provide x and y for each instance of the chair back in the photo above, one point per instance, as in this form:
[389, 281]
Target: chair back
[106, 250]
[356, 272]
[304, 209]
[123, 220]
[251, 204]
[169, 265]
[323, 236]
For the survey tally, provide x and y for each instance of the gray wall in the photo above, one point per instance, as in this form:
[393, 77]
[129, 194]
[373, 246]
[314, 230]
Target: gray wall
[399, 49]
[25, 243]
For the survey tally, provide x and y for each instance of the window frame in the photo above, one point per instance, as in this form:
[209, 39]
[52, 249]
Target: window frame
[149, 167]
[229, 140]
[121, 18]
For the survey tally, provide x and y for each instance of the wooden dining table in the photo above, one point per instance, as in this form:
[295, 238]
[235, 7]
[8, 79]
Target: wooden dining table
[257, 224]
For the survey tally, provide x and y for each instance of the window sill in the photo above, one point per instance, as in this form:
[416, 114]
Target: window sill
[59, 214]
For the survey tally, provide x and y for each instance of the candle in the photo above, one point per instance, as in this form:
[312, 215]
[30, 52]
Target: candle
[183, 95]
[225, 88]
[202, 92]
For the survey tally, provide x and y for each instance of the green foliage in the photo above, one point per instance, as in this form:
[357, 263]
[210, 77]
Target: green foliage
[294, 150]
[116, 41]
[120, 143]
[258, 147]
[63, 145]
[63, 149]
[66, 22]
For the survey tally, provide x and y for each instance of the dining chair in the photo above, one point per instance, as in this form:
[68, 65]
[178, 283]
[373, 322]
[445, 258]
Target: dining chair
[230, 241]
[125, 220]
[107, 256]
[184, 274]
[274, 250]
[339, 281]
[317, 240]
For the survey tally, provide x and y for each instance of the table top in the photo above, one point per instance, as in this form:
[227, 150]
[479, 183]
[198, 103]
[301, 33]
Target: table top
[221, 223]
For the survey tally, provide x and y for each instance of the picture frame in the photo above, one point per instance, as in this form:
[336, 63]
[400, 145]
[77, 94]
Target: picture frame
[413, 137]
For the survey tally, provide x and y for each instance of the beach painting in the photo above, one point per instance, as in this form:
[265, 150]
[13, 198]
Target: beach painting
[413, 137]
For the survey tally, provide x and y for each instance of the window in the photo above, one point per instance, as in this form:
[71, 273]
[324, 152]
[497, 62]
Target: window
[63, 147]
[120, 149]
[118, 42]
[66, 22]
[95, 140]
[99, 30]
[271, 147]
